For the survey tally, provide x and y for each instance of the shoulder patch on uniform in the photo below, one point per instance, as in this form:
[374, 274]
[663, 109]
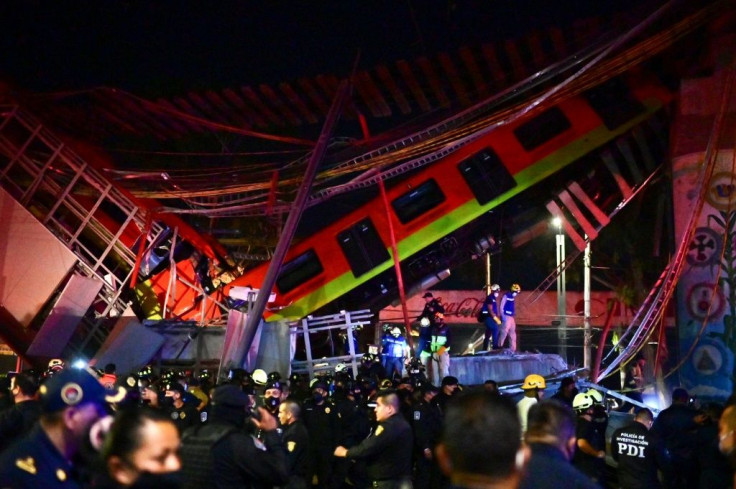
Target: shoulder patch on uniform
[290, 445]
[379, 430]
[61, 475]
[27, 464]
[417, 415]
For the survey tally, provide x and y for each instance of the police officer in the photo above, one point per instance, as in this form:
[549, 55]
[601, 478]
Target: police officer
[296, 439]
[550, 437]
[388, 459]
[508, 317]
[183, 414]
[676, 427]
[221, 454]
[20, 418]
[320, 418]
[427, 425]
[72, 400]
[638, 453]
[492, 317]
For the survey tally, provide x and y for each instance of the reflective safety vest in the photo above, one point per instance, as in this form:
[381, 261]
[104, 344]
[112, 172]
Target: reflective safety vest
[509, 301]
[394, 347]
[439, 339]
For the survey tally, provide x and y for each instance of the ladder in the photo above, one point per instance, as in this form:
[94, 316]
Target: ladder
[347, 321]
[81, 207]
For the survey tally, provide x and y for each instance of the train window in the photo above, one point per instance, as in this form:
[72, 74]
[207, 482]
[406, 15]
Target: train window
[417, 201]
[297, 271]
[537, 131]
[362, 247]
[486, 175]
[614, 103]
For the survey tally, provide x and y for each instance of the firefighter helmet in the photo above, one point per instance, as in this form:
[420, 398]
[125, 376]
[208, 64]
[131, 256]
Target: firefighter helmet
[260, 377]
[495, 288]
[516, 288]
[596, 396]
[534, 381]
[582, 402]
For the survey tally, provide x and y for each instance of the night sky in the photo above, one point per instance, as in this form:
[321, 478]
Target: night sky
[159, 47]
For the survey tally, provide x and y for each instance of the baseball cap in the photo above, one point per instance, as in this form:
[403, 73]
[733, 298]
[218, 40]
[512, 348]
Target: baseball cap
[274, 384]
[175, 387]
[75, 387]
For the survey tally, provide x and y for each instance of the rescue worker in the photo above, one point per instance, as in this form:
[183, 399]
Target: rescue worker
[439, 349]
[296, 439]
[222, 455]
[590, 453]
[388, 459]
[508, 317]
[394, 351]
[492, 318]
[550, 437]
[533, 388]
[109, 378]
[638, 453]
[426, 322]
[71, 401]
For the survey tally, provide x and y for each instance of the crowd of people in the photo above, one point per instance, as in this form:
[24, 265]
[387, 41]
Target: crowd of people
[76, 427]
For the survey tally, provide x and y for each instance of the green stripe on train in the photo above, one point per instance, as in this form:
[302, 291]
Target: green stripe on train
[462, 215]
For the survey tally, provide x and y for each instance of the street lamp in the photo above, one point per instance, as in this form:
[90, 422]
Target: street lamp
[561, 289]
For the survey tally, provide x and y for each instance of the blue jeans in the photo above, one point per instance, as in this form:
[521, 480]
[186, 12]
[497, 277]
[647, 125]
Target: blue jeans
[491, 332]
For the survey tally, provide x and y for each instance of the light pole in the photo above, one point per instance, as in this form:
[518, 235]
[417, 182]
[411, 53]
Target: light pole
[561, 289]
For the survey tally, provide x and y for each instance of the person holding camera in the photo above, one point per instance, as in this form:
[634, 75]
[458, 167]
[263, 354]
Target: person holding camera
[221, 454]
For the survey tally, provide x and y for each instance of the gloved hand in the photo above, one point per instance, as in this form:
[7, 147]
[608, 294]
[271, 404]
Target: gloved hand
[497, 319]
[442, 350]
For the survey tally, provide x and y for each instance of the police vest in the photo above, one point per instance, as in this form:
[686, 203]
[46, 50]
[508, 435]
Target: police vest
[393, 347]
[196, 454]
[508, 305]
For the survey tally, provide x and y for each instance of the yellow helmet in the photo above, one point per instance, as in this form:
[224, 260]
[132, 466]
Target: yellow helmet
[534, 381]
[516, 288]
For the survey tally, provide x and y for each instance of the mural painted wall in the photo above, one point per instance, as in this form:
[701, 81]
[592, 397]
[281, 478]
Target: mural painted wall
[706, 294]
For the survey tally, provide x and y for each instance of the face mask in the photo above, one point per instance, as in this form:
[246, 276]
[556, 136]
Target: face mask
[166, 480]
[272, 403]
[317, 397]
